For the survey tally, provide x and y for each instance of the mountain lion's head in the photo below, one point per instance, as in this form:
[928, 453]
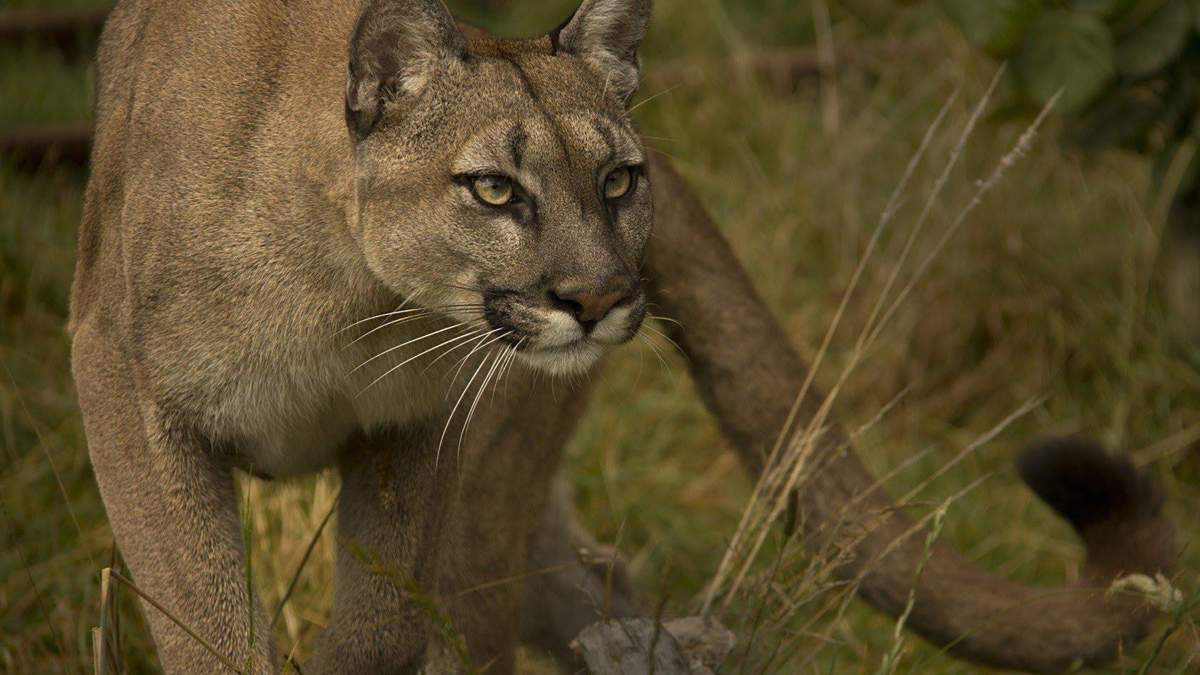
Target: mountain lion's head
[501, 181]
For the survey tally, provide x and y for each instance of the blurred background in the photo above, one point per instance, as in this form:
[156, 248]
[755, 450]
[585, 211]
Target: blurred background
[1071, 291]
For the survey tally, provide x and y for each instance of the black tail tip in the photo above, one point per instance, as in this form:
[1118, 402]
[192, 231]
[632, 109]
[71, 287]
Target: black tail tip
[1085, 484]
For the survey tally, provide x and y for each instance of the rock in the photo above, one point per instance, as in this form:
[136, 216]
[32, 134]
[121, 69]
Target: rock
[704, 641]
[687, 646]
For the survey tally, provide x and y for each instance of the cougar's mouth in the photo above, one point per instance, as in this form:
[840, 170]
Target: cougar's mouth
[555, 341]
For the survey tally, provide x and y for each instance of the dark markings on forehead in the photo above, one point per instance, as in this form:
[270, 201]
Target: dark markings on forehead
[532, 92]
[517, 138]
[525, 82]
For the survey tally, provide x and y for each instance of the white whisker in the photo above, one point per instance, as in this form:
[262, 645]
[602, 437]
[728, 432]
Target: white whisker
[438, 456]
[651, 98]
[483, 342]
[509, 355]
[517, 351]
[665, 319]
[462, 434]
[458, 338]
[668, 339]
[657, 353]
[405, 344]
[395, 312]
[414, 310]
[482, 336]
[381, 326]
[513, 360]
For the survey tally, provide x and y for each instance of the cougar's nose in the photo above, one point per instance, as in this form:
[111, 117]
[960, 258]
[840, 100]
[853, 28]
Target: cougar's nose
[591, 303]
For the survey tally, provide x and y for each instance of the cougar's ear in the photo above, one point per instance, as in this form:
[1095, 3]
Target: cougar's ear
[397, 46]
[607, 34]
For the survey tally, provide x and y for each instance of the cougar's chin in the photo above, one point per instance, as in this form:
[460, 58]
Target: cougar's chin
[574, 358]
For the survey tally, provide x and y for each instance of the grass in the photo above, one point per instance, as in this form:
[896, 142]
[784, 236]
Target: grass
[1048, 292]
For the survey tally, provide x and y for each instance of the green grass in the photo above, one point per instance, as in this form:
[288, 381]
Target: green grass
[1049, 290]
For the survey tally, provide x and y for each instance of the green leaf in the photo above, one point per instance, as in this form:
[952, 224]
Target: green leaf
[1157, 40]
[1068, 51]
[995, 26]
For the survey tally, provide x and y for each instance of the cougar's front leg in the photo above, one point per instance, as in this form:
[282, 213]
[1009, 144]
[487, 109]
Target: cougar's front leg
[173, 510]
[395, 494]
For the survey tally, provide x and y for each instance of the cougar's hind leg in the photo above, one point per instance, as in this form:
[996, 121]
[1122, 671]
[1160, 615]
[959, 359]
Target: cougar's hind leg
[173, 510]
[515, 574]
[573, 582]
[390, 526]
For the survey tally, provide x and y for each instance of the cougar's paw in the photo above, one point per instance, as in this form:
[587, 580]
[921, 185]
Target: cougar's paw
[606, 564]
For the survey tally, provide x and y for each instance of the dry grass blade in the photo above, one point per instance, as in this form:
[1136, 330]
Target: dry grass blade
[1172, 445]
[849, 589]
[938, 187]
[907, 498]
[784, 471]
[37, 593]
[1019, 150]
[37, 430]
[312, 544]
[106, 653]
[773, 457]
[892, 659]
[987, 437]
[98, 663]
[496, 583]
[881, 413]
[827, 64]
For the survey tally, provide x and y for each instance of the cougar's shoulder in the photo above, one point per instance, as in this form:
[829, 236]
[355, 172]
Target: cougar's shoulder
[215, 124]
[212, 247]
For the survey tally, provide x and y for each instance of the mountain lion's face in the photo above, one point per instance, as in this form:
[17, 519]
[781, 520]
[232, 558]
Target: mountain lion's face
[502, 184]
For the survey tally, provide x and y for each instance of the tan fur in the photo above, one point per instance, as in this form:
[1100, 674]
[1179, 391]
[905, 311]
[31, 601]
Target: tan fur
[265, 176]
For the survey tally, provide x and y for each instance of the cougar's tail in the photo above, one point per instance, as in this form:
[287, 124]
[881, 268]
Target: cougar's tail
[749, 376]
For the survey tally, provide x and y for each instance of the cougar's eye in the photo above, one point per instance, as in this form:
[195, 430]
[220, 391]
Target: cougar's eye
[493, 190]
[618, 182]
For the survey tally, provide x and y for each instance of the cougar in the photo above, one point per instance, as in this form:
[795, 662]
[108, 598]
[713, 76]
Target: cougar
[315, 232]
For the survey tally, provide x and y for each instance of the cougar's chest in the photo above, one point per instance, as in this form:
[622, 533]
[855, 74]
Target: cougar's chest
[295, 418]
